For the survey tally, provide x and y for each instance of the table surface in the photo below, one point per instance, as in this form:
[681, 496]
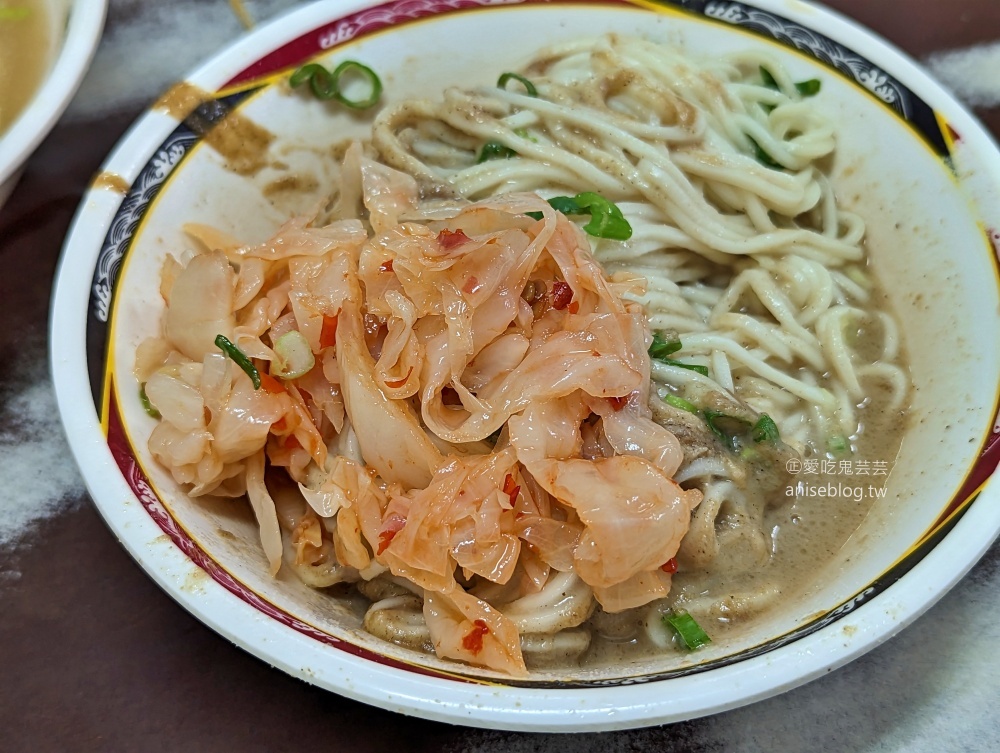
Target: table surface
[94, 656]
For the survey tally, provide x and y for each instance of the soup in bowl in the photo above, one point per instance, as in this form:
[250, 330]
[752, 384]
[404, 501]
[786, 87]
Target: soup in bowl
[45, 49]
[599, 362]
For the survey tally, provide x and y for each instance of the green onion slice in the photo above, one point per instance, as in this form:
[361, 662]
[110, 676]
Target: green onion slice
[295, 358]
[808, 88]
[326, 85]
[838, 444]
[318, 77]
[606, 219]
[146, 405]
[679, 402]
[661, 347]
[689, 631]
[354, 68]
[528, 86]
[765, 430]
[494, 150]
[239, 358]
[703, 370]
[762, 156]
[725, 427]
[566, 205]
[768, 79]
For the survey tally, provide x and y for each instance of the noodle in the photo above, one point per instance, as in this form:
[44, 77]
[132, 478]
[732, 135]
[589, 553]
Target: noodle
[470, 428]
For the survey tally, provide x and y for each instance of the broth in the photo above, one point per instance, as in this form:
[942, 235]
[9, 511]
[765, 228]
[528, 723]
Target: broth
[25, 52]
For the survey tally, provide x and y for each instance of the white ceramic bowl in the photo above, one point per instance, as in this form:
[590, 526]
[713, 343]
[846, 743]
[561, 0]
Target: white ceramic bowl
[920, 170]
[76, 30]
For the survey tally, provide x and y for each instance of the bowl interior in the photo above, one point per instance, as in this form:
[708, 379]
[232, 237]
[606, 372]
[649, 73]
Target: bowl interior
[928, 238]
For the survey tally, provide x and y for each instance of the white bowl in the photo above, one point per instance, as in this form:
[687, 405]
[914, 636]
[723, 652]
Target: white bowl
[914, 162]
[76, 30]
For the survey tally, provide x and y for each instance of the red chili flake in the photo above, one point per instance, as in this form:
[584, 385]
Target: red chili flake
[471, 285]
[562, 294]
[618, 402]
[385, 266]
[574, 307]
[328, 335]
[393, 525]
[394, 383]
[449, 239]
[474, 640]
[511, 489]
[270, 384]
[670, 566]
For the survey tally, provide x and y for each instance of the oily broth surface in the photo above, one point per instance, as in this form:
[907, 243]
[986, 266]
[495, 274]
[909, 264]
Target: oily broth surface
[25, 51]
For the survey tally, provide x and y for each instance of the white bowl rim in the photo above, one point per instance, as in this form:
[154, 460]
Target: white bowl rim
[83, 33]
[455, 701]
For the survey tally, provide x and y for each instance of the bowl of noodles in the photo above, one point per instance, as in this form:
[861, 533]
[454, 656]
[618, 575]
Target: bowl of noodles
[45, 50]
[643, 365]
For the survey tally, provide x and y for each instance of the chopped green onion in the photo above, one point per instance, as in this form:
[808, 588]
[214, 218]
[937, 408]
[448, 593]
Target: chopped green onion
[768, 80]
[808, 88]
[309, 72]
[239, 358]
[679, 402]
[703, 370]
[523, 133]
[295, 357]
[762, 156]
[838, 444]
[661, 347]
[14, 14]
[689, 631]
[735, 432]
[353, 67]
[528, 86]
[606, 219]
[566, 205]
[765, 430]
[146, 405]
[495, 150]
[725, 427]
[326, 85]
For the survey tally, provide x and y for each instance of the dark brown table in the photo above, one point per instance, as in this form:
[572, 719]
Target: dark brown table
[94, 657]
